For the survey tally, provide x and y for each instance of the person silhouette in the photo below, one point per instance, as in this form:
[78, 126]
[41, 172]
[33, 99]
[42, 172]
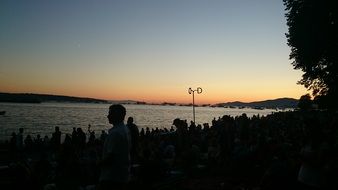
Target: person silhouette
[103, 136]
[19, 140]
[115, 163]
[134, 133]
[56, 138]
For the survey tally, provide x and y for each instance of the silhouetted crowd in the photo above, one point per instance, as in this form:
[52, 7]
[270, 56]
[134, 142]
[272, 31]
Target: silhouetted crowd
[284, 150]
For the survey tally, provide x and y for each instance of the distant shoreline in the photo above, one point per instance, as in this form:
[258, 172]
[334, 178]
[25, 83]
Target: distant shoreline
[279, 103]
[39, 98]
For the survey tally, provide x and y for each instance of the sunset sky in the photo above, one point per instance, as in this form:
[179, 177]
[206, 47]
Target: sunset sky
[147, 50]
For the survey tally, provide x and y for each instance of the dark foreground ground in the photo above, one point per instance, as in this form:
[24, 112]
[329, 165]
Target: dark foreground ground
[286, 150]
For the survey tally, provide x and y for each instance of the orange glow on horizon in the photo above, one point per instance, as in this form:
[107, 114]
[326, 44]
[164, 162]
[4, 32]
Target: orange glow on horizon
[180, 97]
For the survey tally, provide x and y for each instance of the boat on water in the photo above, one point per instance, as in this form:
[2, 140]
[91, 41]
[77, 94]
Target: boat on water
[2, 112]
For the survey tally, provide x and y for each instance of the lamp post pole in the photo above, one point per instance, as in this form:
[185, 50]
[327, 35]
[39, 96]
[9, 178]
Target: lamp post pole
[191, 91]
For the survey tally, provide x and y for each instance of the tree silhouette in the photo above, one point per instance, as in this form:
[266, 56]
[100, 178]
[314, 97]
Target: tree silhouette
[305, 102]
[313, 38]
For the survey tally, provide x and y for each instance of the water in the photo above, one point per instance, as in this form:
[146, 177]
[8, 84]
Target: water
[42, 118]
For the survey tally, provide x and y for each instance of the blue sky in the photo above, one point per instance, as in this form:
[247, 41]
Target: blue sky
[147, 50]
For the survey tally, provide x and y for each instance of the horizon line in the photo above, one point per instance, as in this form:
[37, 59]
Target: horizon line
[149, 102]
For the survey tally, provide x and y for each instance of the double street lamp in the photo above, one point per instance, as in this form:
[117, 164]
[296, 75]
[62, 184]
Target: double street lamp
[191, 91]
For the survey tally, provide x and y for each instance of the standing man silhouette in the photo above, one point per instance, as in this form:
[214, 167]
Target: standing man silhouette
[115, 163]
[134, 134]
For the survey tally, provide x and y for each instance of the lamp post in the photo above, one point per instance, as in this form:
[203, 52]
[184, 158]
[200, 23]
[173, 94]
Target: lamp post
[191, 91]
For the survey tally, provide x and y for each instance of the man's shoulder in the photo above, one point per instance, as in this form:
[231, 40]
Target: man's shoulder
[112, 130]
[132, 126]
[117, 129]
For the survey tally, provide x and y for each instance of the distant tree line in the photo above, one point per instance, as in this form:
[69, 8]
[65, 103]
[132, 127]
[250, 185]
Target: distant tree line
[38, 98]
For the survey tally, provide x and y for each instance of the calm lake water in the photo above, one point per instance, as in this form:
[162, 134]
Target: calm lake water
[42, 118]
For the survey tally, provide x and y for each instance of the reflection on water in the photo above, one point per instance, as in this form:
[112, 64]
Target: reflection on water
[42, 118]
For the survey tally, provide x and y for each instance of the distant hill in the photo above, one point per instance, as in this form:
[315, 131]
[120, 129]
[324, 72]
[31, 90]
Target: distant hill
[276, 103]
[38, 98]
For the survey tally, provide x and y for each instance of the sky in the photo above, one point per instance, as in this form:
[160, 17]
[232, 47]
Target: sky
[147, 50]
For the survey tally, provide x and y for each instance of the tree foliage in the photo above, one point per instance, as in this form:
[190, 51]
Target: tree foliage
[305, 102]
[313, 38]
